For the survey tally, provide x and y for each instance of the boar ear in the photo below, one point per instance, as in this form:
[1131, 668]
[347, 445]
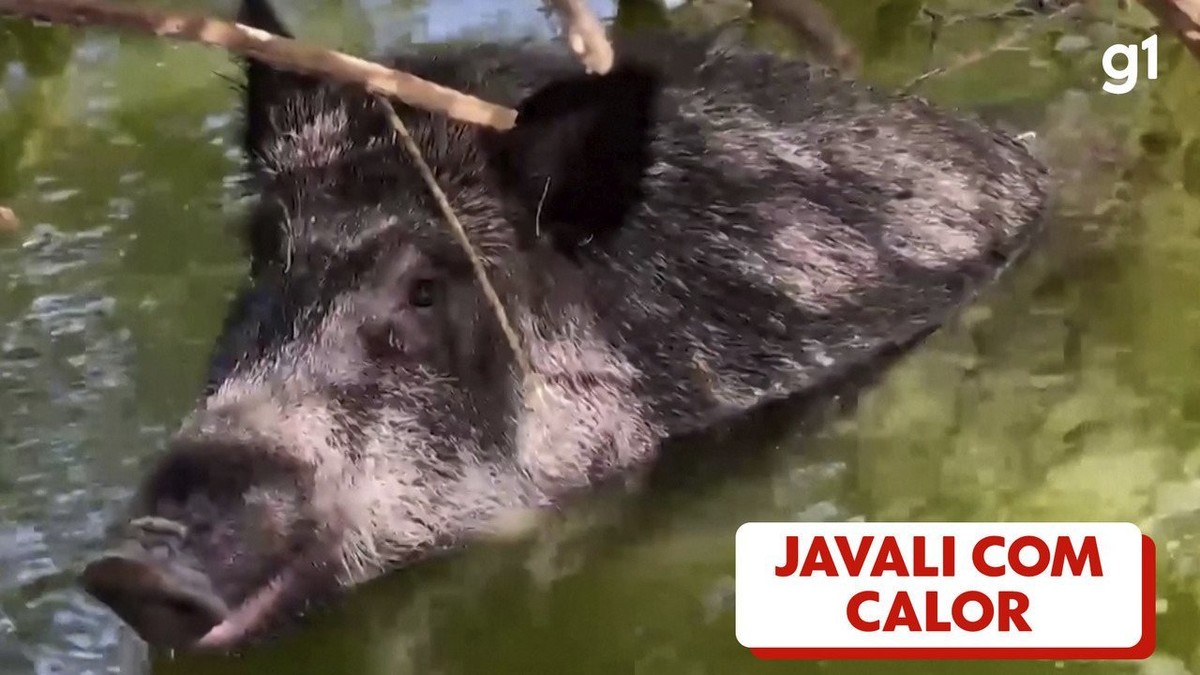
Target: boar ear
[266, 87]
[578, 152]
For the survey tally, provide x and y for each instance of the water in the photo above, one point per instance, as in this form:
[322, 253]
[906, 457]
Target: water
[1067, 392]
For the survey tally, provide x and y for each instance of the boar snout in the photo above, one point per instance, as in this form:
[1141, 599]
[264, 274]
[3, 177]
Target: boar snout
[154, 588]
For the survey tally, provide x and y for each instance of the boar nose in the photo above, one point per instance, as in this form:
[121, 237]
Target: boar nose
[153, 588]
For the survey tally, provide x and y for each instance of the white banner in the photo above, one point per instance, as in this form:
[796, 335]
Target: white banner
[945, 590]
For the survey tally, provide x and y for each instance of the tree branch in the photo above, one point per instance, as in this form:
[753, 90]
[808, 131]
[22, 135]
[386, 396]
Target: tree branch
[1008, 42]
[585, 35]
[290, 54]
[284, 53]
[1182, 17]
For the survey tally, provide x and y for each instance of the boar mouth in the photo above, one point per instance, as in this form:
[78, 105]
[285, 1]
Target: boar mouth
[170, 606]
[174, 607]
[162, 594]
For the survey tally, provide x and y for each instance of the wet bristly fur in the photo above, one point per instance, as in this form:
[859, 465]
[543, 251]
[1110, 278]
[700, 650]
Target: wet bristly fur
[697, 233]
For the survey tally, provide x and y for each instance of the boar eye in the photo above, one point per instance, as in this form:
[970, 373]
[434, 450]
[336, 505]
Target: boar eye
[421, 293]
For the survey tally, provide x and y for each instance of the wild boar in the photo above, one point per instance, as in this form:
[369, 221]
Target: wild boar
[697, 233]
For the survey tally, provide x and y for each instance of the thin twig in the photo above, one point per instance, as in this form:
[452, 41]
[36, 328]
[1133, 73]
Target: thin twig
[282, 52]
[585, 35]
[8, 220]
[514, 341]
[1000, 45]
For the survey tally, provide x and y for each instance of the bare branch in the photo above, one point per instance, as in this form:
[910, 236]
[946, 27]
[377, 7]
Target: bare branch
[585, 35]
[284, 53]
[1007, 42]
[1182, 17]
[290, 54]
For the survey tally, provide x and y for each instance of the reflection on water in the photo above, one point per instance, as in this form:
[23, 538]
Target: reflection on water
[1068, 392]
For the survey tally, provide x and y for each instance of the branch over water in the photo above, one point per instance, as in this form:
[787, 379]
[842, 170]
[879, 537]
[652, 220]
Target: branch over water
[284, 53]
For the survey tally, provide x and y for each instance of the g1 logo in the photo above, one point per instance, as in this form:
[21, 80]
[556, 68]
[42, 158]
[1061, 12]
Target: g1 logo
[1126, 78]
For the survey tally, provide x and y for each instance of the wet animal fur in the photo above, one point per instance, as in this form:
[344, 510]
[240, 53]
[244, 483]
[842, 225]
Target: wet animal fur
[698, 233]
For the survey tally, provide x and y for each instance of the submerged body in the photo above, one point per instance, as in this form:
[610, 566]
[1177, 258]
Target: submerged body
[695, 234]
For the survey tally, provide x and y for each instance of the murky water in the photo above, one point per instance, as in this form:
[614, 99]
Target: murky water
[1069, 391]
